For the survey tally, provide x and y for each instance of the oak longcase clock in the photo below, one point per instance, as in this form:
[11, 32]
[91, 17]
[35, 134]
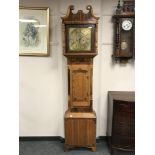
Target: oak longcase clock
[124, 22]
[80, 46]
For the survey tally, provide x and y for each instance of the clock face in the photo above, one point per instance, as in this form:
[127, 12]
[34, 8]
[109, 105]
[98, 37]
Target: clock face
[80, 39]
[126, 25]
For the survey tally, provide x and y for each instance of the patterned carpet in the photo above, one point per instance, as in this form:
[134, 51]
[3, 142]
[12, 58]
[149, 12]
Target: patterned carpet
[57, 148]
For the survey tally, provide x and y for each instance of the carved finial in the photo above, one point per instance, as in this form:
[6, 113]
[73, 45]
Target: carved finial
[118, 10]
[89, 7]
[70, 8]
[118, 5]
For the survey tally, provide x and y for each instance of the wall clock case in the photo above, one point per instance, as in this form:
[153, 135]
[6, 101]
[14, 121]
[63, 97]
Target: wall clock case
[124, 25]
[79, 47]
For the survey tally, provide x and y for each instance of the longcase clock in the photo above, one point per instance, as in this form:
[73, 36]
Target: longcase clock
[124, 22]
[80, 46]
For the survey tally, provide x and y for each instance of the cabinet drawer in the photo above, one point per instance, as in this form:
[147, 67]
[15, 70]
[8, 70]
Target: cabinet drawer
[124, 129]
[124, 106]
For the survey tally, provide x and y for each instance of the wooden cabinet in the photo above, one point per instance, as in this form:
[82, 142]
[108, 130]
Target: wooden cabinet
[80, 130]
[121, 120]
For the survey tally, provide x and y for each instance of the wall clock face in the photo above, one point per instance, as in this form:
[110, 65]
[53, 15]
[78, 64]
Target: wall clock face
[79, 39]
[126, 25]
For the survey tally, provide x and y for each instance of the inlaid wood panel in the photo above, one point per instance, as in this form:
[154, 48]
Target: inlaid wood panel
[80, 85]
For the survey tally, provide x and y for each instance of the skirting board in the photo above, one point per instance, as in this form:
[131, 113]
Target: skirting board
[54, 138]
[41, 138]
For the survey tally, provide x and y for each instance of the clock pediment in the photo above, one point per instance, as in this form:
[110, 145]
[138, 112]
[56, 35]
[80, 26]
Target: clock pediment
[80, 16]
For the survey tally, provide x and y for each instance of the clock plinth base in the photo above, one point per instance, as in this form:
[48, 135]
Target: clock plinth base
[80, 130]
[68, 147]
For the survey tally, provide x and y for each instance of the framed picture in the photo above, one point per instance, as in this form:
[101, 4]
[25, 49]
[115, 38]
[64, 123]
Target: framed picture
[80, 38]
[33, 31]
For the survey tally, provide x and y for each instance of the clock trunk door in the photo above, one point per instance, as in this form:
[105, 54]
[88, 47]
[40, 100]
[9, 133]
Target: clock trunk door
[127, 38]
[79, 85]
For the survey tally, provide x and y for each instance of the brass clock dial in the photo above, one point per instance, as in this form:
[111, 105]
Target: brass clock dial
[80, 39]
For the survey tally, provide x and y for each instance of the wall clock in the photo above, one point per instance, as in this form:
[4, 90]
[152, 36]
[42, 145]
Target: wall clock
[124, 22]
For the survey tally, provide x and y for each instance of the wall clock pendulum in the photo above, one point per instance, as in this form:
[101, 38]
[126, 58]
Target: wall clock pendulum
[80, 46]
[124, 22]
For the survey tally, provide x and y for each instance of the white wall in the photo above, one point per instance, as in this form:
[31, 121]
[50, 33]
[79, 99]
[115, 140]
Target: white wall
[43, 80]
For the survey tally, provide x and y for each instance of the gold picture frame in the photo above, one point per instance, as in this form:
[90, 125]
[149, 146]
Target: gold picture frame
[34, 31]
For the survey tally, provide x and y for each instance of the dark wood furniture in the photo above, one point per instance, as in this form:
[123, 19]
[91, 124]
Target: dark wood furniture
[124, 34]
[80, 46]
[121, 120]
